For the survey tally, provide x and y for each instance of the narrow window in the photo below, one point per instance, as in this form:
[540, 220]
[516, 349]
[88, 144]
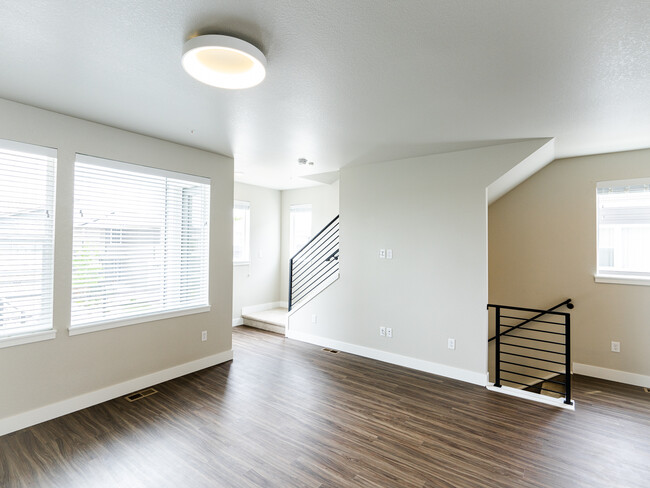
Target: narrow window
[140, 242]
[624, 228]
[241, 233]
[27, 183]
[299, 227]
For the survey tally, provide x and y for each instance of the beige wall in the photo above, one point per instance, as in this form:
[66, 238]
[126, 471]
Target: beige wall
[325, 206]
[38, 374]
[542, 249]
[256, 283]
[432, 212]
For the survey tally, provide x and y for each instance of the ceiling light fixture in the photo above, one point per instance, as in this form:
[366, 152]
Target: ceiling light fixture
[224, 62]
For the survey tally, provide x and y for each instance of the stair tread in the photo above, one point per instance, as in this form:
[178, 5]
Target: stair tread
[275, 316]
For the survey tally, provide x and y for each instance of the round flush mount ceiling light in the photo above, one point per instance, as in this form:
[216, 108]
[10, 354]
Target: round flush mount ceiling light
[224, 62]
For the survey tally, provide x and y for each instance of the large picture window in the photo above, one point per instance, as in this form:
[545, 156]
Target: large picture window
[27, 183]
[624, 229]
[140, 243]
[299, 227]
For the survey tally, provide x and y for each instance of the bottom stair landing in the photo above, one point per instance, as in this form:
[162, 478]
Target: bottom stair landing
[274, 320]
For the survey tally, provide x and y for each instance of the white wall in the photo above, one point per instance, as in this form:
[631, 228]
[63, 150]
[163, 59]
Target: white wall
[256, 283]
[39, 374]
[432, 212]
[324, 200]
[543, 250]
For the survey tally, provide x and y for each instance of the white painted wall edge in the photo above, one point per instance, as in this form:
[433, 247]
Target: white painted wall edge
[236, 322]
[64, 407]
[392, 358]
[262, 307]
[612, 375]
[535, 397]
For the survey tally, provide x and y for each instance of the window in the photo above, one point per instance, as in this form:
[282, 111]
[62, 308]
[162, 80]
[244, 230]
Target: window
[241, 233]
[27, 182]
[299, 227]
[140, 244]
[624, 230]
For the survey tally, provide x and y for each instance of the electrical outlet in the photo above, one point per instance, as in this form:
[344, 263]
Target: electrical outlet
[313, 318]
[382, 331]
[204, 336]
[382, 253]
[389, 254]
[451, 344]
[389, 332]
[616, 346]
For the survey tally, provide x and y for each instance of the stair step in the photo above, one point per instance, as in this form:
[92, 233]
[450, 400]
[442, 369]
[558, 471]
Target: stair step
[274, 320]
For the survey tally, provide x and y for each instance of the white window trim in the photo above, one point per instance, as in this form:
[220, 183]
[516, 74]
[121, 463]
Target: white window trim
[114, 324]
[27, 338]
[622, 280]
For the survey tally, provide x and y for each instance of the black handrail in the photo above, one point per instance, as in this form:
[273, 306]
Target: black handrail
[315, 262]
[529, 368]
[566, 302]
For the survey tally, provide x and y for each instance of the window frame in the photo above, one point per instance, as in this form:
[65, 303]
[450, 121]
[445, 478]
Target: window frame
[631, 277]
[36, 333]
[246, 206]
[155, 315]
[297, 209]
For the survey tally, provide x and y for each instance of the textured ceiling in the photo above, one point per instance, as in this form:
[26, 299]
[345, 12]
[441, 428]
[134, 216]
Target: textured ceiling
[348, 81]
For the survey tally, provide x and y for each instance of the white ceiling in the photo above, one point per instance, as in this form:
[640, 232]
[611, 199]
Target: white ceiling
[347, 81]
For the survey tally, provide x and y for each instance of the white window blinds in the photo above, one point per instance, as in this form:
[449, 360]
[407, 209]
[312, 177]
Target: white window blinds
[140, 242]
[27, 183]
[624, 227]
[241, 232]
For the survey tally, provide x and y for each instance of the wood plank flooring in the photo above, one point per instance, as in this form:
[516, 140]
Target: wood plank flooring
[287, 414]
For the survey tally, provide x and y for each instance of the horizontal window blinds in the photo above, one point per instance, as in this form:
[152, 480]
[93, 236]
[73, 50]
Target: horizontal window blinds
[140, 241]
[27, 184]
[625, 202]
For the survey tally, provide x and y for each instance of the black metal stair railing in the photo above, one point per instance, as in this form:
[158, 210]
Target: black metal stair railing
[314, 263]
[518, 363]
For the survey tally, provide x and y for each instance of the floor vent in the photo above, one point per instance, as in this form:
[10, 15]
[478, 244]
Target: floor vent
[327, 349]
[139, 395]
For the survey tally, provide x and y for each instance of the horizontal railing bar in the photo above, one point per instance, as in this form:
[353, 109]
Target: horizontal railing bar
[307, 288]
[319, 233]
[532, 348]
[316, 286]
[529, 320]
[503, 307]
[516, 382]
[533, 339]
[530, 376]
[305, 277]
[553, 391]
[307, 258]
[532, 357]
[305, 282]
[538, 330]
[533, 367]
[320, 256]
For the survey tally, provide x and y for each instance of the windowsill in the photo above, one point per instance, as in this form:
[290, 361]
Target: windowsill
[622, 280]
[241, 263]
[17, 340]
[113, 324]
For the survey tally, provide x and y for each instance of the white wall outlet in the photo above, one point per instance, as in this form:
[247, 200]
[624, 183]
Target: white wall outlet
[451, 344]
[382, 331]
[382, 253]
[314, 318]
[389, 332]
[616, 346]
[389, 254]
[204, 336]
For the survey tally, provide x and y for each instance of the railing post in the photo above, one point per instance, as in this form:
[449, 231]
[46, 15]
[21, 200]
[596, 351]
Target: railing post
[497, 348]
[567, 358]
[290, 282]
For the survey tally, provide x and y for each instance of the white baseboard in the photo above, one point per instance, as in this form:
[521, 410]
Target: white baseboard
[262, 307]
[473, 377]
[612, 375]
[64, 407]
[534, 397]
[236, 322]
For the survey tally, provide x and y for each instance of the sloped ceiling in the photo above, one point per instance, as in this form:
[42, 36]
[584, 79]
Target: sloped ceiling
[348, 81]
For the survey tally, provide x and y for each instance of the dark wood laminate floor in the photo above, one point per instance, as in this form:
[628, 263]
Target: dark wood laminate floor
[287, 414]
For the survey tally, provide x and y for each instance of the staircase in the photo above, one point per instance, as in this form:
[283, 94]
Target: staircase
[533, 353]
[314, 267]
